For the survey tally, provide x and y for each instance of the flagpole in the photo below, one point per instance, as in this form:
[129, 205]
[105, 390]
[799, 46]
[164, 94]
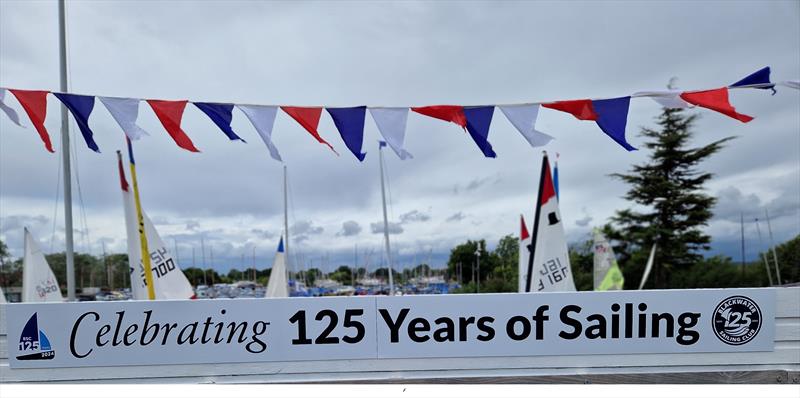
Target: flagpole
[148, 272]
[535, 227]
[386, 223]
[62, 51]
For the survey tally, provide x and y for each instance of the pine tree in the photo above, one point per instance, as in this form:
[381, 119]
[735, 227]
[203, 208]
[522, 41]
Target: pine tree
[672, 205]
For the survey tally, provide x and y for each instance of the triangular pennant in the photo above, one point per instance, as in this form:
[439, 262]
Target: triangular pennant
[795, 84]
[125, 111]
[524, 255]
[81, 108]
[35, 104]
[581, 109]
[391, 123]
[11, 113]
[262, 118]
[308, 117]
[670, 99]
[523, 117]
[612, 117]
[221, 115]
[758, 78]
[448, 113]
[716, 100]
[479, 119]
[350, 123]
[170, 114]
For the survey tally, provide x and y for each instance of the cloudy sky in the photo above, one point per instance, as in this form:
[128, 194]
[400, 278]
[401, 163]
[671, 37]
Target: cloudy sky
[408, 53]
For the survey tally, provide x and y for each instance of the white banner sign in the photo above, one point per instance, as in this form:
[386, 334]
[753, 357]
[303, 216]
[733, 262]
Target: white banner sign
[258, 330]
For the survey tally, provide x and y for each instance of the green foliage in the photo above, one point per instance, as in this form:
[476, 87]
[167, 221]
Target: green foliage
[581, 260]
[673, 207]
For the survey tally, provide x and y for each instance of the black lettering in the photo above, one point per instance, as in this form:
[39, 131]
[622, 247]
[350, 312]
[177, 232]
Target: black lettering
[394, 326]
[511, 328]
[598, 330]
[114, 341]
[100, 333]
[206, 324]
[463, 323]
[566, 320]
[655, 328]
[259, 328]
[146, 328]
[628, 320]
[642, 321]
[686, 321]
[485, 326]
[75, 333]
[168, 328]
[234, 327]
[419, 325]
[539, 318]
[128, 333]
[614, 322]
[445, 333]
[190, 338]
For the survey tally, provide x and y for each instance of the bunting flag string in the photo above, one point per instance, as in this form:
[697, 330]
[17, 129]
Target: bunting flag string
[308, 117]
[391, 123]
[34, 103]
[80, 106]
[125, 111]
[10, 112]
[610, 114]
[170, 114]
[221, 115]
[262, 118]
[350, 123]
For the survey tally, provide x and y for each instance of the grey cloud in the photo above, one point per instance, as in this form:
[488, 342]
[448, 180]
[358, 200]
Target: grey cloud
[456, 217]
[305, 227]
[414, 216]
[264, 234]
[395, 228]
[192, 225]
[584, 221]
[349, 228]
[15, 223]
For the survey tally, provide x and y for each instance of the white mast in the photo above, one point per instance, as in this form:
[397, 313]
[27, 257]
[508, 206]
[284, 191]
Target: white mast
[386, 225]
[772, 243]
[62, 51]
[763, 255]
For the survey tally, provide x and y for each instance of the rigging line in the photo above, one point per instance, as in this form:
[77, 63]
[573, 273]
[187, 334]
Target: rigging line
[84, 222]
[294, 266]
[388, 187]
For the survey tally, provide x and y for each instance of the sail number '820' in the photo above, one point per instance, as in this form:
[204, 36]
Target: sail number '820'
[299, 318]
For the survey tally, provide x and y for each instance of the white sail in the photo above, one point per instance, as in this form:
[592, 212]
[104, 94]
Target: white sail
[524, 255]
[607, 275]
[551, 271]
[278, 285]
[39, 284]
[169, 282]
[649, 266]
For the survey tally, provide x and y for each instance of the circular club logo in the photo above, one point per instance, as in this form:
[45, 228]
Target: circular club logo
[736, 320]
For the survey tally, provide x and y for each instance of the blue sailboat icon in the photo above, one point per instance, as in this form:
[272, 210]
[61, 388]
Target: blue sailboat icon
[33, 343]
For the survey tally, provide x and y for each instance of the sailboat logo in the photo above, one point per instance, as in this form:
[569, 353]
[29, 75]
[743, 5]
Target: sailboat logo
[33, 343]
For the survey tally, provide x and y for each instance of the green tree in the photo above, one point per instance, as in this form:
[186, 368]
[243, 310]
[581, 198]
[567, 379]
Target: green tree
[673, 207]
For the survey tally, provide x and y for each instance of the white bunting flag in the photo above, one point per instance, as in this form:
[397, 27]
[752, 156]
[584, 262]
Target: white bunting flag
[670, 99]
[523, 117]
[11, 113]
[125, 111]
[391, 123]
[551, 271]
[795, 84]
[262, 118]
[39, 284]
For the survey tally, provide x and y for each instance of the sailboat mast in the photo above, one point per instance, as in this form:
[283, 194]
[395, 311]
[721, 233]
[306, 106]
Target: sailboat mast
[386, 224]
[763, 254]
[62, 52]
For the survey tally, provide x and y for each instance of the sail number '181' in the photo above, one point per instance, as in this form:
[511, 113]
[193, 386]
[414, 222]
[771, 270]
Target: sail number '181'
[325, 337]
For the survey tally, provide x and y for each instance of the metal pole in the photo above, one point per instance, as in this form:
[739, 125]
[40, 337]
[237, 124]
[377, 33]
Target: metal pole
[203, 256]
[774, 254]
[386, 224]
[62, 47]
[741, 219]
[286, 219]
[763, 254]
[478, 266]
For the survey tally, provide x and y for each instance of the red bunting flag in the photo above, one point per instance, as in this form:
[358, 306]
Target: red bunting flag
[448, 113]
[170, 114]
[35, 104]
[582, 109]
[308, 117]
[716, 100]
